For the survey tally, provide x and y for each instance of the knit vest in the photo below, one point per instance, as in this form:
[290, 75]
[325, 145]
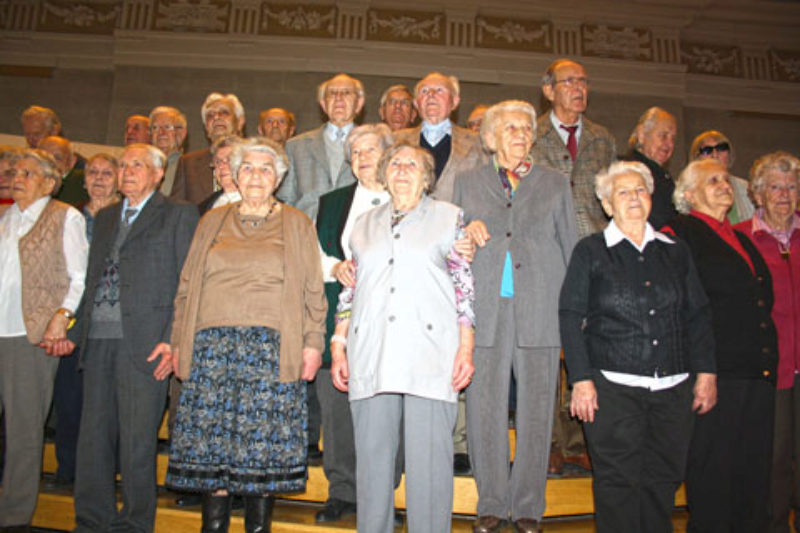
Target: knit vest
[45, 280]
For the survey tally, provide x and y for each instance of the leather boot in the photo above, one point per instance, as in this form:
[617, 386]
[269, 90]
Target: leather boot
[216, 513]
[258, 514]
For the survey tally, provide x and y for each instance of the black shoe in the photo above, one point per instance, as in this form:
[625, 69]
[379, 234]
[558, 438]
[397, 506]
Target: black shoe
[461, 465]
[216, 513]
[335, 510]
[398, 519]
[16, 529]
[189, 499]
[314, 455]
[237, 503]
[258, 514]
[57, 483]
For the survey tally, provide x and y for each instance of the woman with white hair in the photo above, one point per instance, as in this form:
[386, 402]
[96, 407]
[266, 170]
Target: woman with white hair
[636, 329]
[715, 144]
[775, 230]
[248, 328]
[730, 456]
[521, 217]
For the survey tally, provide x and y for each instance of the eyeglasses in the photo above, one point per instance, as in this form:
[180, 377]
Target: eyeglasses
[166, 127]
[12, 173]
[721, 147]
[333, 94]
[222, 112]
[573, 81]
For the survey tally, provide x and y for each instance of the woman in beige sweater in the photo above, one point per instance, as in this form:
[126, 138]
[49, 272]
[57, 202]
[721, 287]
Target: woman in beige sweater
[248, 329]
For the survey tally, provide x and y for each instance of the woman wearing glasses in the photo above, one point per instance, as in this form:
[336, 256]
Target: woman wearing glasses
[713, 143]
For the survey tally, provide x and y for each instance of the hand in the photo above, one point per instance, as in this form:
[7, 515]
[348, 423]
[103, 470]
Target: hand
[476, 230]
[312, 360]
[55, 332]
[164, 367]
[584, 401]
[175, 361]
[705, 393]
[345, 272]
[463, 369]
[466, 248]
[340, 373]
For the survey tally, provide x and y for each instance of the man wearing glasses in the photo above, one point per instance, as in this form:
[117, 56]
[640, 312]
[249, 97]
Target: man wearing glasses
[572, 144]
[397, 107]
[168, 133]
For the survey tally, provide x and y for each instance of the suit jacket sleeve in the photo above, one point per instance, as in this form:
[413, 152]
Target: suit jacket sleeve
[287, 192]
[184, 231]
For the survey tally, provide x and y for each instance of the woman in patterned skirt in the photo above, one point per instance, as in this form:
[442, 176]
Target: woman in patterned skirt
[248, 329]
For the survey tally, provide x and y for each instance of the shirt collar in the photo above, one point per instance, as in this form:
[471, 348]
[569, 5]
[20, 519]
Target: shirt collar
[138, 207]
[34, 210]
[434, 133]
[715, 224]
[331, 129]
[557, 123]
[760, 225]
[613, 236]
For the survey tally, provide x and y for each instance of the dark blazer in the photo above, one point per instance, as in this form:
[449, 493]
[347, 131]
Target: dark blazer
[309, 175]
[741, 302]
[538, 228]
[208, 203]
[334, 207]
[663, 209]
[194, 179]
[150, 262]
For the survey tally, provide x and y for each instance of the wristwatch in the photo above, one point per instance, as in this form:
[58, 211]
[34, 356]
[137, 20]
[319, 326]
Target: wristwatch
[69, 315]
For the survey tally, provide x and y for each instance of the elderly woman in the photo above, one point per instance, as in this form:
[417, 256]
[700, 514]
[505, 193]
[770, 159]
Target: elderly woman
[43, 253]
[715, 144]
[338, 211]
[521, 216]
[406, 326]
[652, 142]
[636, 329]
[728, 468]
[248, 329]
[7, 153]
[220, 165]
[775, 231]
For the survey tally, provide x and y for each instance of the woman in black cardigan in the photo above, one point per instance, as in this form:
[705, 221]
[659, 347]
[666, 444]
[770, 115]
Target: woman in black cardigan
[728, 470]
[636, 329]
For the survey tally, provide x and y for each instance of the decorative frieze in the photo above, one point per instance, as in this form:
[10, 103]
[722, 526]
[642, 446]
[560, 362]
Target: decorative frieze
[600, 40]
[711, 59]
[208, 16]
[785, 66]
[304, 20]
[520, 35]
[405, 26]
[88, 17]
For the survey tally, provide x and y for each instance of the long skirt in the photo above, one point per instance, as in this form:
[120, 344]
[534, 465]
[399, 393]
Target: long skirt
[238, 427]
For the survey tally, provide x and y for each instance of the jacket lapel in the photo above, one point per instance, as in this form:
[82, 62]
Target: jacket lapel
[317, 149]
[146, 218]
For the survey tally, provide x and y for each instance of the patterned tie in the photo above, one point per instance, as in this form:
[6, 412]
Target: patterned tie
[129, 213]
[572, 141]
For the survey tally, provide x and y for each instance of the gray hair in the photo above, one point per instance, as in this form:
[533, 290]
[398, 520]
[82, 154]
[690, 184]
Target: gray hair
[290, 120]
[9, 152]
[714, 135]
[46, 163]
[428, 164]
[765, 165]
[156, 156]
[493, 115]
[648, 121]
[393, 88]
[262, 145]
[455, 88]
[322, 87]
[172, 111]
[224, 142]
[45, 113]
[110, 159]
[687, 180]
[379, 130]
[230, 98]
[549, 76]
[604, 181]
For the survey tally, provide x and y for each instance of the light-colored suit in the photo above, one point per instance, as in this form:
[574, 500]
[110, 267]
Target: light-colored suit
[465, 153]
[596, 150]
[309, 174]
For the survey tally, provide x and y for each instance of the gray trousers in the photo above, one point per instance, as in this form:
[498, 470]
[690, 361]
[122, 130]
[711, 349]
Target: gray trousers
[339, 459]
[519, 490]
[27, 375]
[786, 458]
[121, 406]
[427, 427]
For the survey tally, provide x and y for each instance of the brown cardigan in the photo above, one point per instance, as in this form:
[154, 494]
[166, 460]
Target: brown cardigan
[303, 303]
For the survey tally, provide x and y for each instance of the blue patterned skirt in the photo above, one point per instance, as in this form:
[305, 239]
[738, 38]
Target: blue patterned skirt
[238, 427]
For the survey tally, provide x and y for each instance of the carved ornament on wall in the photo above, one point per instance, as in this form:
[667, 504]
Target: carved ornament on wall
[405, 26]
[186, 15]
[86, 17]
[710, 59]
[785, 65]
[529, 35]
[299, 20]
[620, 42]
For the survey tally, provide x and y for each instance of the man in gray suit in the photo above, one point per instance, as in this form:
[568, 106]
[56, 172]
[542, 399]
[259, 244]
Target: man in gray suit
[569, 142]
[455, 149]
[316, 158]
[125, 319]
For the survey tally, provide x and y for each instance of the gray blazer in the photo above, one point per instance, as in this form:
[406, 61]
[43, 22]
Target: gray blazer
[538, 227]
[309, 174]
[150, 262]
[596, 150]
[465, 153]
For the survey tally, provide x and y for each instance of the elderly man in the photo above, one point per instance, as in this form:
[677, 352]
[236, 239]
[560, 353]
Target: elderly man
[39, 122]
[43, 252]
[137, 253]
[168, 133]
[475, 118]
[222, 115]
[316, 157]
[454, 149]
[397, 107]
[569, 142]
[277, 124]
[72, 189]
[137, 130]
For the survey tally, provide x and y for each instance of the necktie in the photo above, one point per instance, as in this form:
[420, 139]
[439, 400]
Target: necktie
[339, 135]
[129, 215]
[572, 141]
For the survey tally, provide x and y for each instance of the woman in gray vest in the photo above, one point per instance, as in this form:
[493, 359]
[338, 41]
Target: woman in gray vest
[403, 345]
